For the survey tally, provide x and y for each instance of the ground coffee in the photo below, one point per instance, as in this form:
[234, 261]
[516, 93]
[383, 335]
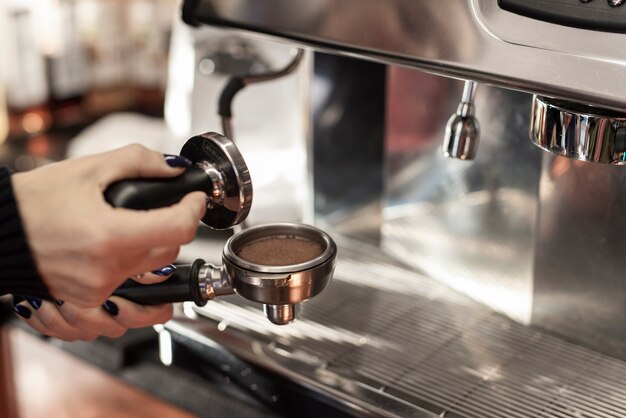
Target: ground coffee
[280, 251]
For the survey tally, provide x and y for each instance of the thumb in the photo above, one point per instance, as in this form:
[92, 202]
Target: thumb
[136, 161]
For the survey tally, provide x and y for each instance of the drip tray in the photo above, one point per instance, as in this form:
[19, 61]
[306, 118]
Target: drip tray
[386, 341]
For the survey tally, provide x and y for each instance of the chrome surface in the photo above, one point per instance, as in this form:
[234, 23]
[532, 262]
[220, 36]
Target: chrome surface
[579, 288]
[280, 285]
[270, 137]
[278, 288]
[580, 132]
[223, 162]
[463, 130]
[240, 200]
[470, 225]
[236, 242]
[470, 39]
[250, 79]
[390, 342]
[280, 314]
[213, 282]
[217, 179]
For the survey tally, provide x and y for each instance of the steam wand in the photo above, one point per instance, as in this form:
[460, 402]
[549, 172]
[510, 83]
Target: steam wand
[462, 130]
[236, 84]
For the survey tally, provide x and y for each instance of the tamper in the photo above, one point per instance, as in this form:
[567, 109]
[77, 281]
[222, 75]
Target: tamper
[277, 265]
[218, 169]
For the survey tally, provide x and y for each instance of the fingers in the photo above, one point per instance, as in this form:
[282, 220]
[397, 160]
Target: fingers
[135, 161]
[70, 322]
[46, 319]
[133, 315]
[174, 225]
[156, 276]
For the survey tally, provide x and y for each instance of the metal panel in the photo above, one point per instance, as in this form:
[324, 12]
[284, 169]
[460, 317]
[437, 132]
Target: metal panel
[461, 38]
[579, 288]
[468, 224]
[415, 345]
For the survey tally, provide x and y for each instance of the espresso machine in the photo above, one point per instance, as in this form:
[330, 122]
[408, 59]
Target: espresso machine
[466, 157]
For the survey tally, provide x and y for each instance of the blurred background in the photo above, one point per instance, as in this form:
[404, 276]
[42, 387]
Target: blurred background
[68, 63]
[83, 76]
[65, 67]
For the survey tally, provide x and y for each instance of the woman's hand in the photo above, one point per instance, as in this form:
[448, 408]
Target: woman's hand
[84, 248]
[70, 322]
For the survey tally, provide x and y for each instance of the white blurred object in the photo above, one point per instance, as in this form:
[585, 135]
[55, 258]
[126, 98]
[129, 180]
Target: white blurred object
[269, 119]
[26, 83]
[118, 130]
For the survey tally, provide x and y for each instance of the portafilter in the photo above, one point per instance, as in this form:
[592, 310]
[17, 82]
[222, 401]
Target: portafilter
[277, 265]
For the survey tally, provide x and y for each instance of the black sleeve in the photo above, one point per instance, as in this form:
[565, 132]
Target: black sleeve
[18, 273]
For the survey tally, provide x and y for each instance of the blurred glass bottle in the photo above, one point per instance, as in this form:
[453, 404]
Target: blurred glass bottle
[26, 85]
[149, 24]
[67, 67]
[101, 25]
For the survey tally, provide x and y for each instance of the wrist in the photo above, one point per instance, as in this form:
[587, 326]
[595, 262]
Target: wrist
[18, 272]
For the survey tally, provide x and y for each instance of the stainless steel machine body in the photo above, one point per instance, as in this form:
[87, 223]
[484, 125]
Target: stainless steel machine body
[478, 288]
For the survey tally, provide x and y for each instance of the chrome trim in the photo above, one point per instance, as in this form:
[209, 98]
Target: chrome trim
[213, 281]
[463, 130]
[470, 39]
[217, 181]
[281, 314]
[580, 132]
[279, 229]
[242, 202]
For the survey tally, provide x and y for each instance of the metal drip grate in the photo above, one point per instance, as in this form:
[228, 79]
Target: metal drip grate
[397, 334]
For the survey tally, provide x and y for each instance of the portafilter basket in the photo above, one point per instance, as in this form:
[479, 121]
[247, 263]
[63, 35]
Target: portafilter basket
[278, 265]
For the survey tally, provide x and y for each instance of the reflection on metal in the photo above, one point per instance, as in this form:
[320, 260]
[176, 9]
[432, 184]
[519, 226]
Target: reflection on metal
[462, 130]
[279, 287]
[469, 39]
[471, 226]
[237, 83]
[271, 136]
[580, 132]
[579, 268]
[424, 353]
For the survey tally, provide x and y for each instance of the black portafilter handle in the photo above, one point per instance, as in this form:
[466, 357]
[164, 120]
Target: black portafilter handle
[183, 285]
[219, 171]
[145, 194]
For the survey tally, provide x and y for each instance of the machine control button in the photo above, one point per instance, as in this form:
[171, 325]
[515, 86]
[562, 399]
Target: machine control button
[605, 16]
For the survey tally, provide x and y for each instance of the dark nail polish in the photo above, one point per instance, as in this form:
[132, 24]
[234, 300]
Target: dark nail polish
[177, 161]
[59, 302]
[34, 302]
[111, 308]
[165, 271]
[22, 311]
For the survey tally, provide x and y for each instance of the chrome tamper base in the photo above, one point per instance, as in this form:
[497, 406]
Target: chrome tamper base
[578, 131]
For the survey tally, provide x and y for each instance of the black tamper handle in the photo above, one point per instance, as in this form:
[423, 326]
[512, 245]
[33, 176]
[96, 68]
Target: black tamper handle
[183, 285]
[144, 194]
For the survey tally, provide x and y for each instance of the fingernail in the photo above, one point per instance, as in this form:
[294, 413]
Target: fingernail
[177, 161]
[59, 302]
[165, 271]
[111, 308]
[22, 311]
[34, 302]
